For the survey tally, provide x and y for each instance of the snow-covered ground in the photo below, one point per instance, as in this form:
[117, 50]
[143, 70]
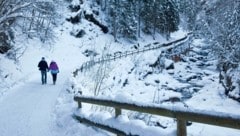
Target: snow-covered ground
[28, 108]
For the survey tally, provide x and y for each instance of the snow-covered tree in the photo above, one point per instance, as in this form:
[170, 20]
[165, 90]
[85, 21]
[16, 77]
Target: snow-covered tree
[33, 18]
[128, 19]
[170, 17]
[125, 17]
[220, 24]
[189, 10]
[161, 16]
[10, 11]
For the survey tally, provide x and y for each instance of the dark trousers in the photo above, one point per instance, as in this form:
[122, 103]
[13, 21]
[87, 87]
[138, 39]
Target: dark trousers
[54, 77]
[44, 76]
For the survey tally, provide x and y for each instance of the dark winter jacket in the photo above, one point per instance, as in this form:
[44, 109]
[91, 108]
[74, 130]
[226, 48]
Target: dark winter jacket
[43, 66]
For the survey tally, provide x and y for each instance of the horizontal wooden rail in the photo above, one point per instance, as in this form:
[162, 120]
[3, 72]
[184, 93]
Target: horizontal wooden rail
[105, 127]
[182, 115]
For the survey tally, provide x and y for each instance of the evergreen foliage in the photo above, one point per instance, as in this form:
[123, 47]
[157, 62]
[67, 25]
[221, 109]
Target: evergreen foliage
[125, 17]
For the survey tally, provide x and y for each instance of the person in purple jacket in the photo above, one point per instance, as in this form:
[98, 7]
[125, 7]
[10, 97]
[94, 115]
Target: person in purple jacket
[54, 71]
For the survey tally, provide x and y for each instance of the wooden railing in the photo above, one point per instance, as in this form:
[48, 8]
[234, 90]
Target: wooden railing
[119, 55]
[181, 115]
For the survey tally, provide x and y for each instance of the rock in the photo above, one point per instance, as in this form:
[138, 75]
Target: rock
[74, 8]
[91, 18]
[88, 53]
[80, 34]
[74, 20]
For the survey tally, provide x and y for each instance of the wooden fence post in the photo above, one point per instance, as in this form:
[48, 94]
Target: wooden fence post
[79, 104]
[117, 112]
[182, 116]
[181, 128]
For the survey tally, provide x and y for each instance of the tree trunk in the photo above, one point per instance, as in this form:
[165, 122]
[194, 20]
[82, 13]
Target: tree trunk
[139, 18]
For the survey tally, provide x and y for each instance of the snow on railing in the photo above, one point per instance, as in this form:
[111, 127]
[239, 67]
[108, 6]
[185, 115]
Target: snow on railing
[119, 55]
[182, 115]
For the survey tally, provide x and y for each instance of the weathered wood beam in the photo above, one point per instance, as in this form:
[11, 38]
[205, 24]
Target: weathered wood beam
[206, 117]
[105, 127]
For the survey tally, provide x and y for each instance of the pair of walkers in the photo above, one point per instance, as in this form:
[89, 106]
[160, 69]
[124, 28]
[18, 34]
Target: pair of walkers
[53, 68]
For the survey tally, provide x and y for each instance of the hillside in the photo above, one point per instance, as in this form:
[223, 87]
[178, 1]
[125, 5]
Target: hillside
[191, 81]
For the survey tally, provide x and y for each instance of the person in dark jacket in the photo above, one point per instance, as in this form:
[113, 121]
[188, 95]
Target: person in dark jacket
[43, 67]
[54, 71]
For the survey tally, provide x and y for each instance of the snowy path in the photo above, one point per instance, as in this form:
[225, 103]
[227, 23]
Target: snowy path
[28, 109]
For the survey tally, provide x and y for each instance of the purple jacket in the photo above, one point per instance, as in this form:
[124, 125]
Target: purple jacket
[53, 67]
